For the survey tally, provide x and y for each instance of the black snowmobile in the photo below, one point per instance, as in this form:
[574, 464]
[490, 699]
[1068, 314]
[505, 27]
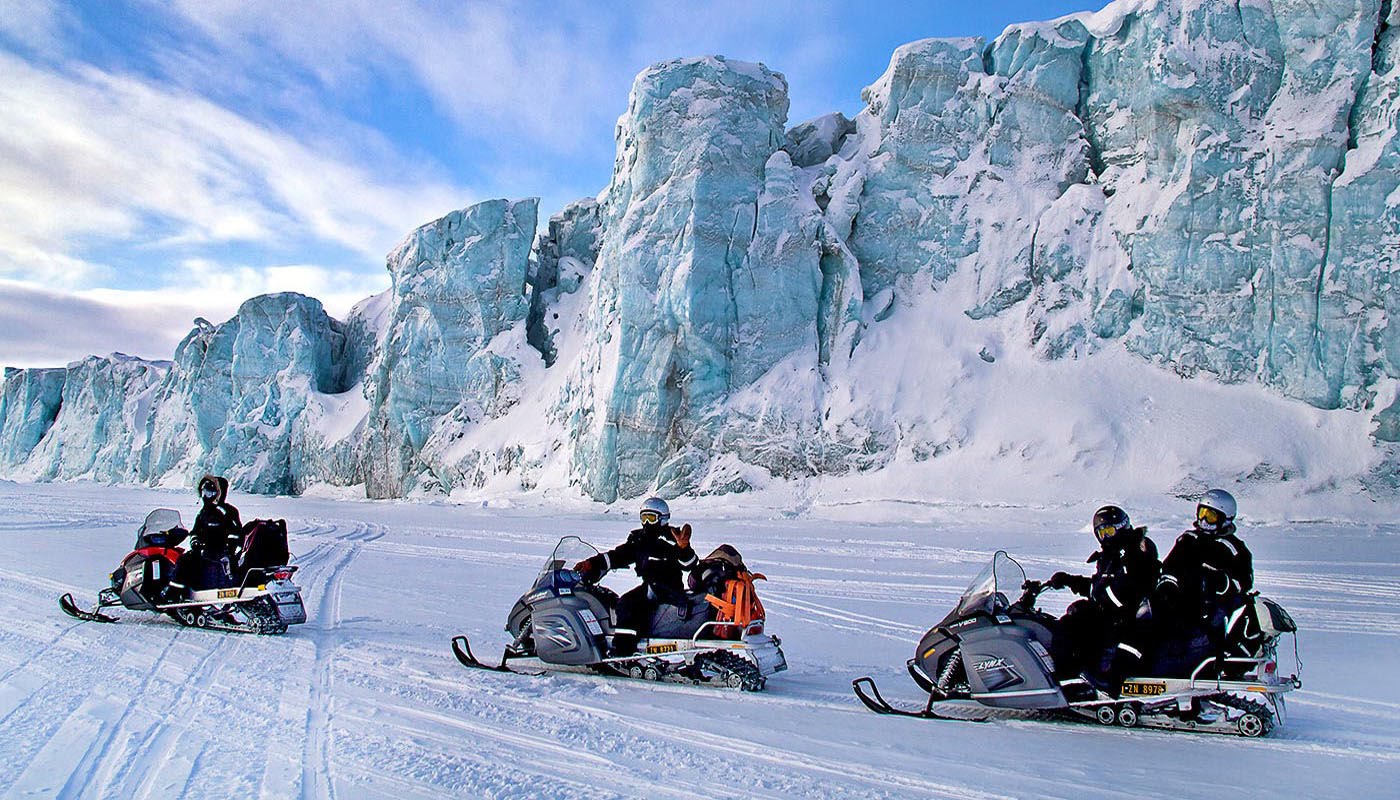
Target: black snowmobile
[716, 637]
[258, 596]
[998, 653]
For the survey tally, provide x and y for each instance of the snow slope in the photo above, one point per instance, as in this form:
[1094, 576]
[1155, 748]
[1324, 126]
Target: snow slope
[366, 701]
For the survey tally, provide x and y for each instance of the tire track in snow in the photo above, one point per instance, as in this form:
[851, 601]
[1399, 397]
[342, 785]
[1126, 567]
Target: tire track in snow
[317, 779]
[733, 748]
[111, 761]
[865, 620]
[498, 745]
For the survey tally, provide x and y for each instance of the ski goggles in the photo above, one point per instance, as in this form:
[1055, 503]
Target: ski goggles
[1106, 532]
[650, 517]
[1209, 515]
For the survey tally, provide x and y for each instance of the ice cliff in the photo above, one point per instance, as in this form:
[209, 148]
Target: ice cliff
[1207, 189]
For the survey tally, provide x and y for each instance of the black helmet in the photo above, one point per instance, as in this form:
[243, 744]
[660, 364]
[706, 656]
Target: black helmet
[1109, 523]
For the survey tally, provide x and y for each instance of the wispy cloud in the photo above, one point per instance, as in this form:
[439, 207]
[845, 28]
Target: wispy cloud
[46, 327]
[95, 155]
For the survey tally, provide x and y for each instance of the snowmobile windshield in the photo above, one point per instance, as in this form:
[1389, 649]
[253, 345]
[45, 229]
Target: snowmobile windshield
[567, 553]
[160, 521]
[993, 590]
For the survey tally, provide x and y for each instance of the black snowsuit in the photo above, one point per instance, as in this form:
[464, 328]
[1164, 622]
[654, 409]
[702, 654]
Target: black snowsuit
[218, 530]
[216, 534]
[659, 562]
[1206, 578]
[1093, 629]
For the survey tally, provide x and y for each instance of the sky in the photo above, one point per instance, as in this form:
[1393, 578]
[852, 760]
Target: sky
[162, 161]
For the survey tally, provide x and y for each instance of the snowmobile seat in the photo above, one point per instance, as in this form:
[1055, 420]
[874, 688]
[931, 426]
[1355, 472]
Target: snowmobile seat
[264, 545]
[196, 571]
[681, 620]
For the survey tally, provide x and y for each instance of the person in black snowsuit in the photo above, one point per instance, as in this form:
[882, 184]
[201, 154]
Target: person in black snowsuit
[1096, 635]
[216, 534]
[659, 553]
[1208, 575]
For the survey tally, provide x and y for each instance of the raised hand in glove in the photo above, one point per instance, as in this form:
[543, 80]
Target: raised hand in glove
[682, 535]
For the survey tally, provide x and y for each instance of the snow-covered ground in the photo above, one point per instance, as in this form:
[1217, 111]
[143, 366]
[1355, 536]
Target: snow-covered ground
[365, 700]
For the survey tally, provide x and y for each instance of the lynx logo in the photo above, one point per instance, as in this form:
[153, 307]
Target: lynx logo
[989, 665]
[1143, 689]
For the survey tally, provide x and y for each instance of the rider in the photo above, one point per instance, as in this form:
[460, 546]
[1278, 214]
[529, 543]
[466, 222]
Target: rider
[216, 533]
[217, 528]
[1209, 573]
[660, 553]
[1125, 572]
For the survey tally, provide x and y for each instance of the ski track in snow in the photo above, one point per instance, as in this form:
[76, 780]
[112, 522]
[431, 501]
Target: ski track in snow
[365, 700]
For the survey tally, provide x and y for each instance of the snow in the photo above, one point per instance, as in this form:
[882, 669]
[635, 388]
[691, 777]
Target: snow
[1207, 186]
[365, 700]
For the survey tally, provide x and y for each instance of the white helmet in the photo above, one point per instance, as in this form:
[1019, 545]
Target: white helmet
[654, 511]
[1215, 512]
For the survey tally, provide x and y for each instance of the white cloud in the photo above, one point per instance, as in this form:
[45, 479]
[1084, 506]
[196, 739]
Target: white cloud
[95, 156]
[499, 70]
[44, 327]
[33, 24]
[555, 73]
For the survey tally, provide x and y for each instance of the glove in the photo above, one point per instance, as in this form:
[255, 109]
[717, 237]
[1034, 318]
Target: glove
[682, 536]
[1059, 580]
[1166, 596]
[585, 569]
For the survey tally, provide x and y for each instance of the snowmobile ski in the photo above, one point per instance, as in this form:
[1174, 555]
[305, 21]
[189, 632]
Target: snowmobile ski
[869, 694]
[462, 649]
[70, 607]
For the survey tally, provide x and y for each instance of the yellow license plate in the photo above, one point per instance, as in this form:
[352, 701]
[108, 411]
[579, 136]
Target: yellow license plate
[661, 648]
[227, 593]
[1144, 689]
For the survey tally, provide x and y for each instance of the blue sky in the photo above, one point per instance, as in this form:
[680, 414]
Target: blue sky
[166, 160]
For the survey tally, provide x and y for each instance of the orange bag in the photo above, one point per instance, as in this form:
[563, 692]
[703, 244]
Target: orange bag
[739, 609]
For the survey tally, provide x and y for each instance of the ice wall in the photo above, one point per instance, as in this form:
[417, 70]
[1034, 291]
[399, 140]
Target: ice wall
[458, 285]
[1214, 187]
[665, 310]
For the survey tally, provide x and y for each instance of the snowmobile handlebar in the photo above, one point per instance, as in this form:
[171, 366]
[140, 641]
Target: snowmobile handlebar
[586, 578]
[1030, 592]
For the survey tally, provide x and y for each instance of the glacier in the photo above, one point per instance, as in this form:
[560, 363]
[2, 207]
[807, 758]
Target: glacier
[1187, 188]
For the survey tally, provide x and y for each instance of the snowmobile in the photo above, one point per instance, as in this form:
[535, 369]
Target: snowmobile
[715, 637]
[999, 654]
[264, 600]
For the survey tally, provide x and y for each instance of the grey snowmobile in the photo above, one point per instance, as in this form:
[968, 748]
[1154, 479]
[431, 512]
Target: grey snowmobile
[998, 653]
[565, 620]
[265, 600]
